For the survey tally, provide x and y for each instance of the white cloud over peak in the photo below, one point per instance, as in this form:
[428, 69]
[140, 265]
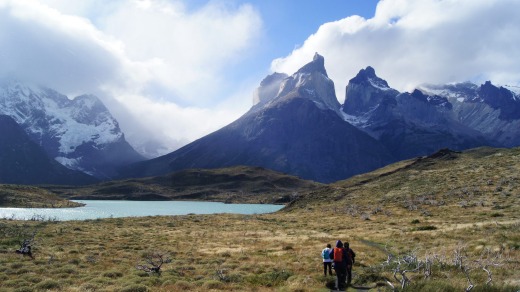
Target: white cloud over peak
[413, 42]
[157, 65]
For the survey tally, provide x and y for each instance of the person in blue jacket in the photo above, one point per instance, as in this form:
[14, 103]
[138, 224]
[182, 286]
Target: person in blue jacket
[327, 260]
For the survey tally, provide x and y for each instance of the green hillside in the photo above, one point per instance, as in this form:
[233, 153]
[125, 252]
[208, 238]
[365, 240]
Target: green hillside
[240, 184]
[31, 197]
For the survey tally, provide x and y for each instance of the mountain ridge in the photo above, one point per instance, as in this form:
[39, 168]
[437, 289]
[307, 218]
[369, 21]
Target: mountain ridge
[300, 131]
[23, 161]
[237, 184]
[81, 134]
[297, 126]
[431, 117]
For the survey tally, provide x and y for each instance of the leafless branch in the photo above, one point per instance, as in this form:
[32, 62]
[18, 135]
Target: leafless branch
[153, 262]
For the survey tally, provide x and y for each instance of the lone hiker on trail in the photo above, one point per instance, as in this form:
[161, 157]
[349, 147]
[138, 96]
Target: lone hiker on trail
[351, 259]
[340, 264]
[327, 260]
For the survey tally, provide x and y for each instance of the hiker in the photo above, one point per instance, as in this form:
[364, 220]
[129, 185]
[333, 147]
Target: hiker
[350, 260]
[339, 256]
[327, 260]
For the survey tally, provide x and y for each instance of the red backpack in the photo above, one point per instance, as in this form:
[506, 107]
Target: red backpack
[338, 254]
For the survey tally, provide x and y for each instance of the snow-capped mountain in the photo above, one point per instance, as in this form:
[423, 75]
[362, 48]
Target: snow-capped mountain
[22, 161]
[456, 116]
[491, 110]
[295, 127]
[79, 133]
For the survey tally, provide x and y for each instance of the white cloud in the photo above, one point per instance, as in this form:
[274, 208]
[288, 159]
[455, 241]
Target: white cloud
[157, 66]
[413, 42]
[188, 49]
[40, 44]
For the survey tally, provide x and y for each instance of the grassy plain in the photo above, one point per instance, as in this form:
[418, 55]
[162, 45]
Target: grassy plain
[459, 210]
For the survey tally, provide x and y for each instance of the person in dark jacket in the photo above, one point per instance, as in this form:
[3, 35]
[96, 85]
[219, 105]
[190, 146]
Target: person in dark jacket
[340, 265]
[350, 260]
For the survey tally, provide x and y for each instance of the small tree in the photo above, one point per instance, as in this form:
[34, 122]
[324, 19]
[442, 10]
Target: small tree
[153, 262]
[26, 245]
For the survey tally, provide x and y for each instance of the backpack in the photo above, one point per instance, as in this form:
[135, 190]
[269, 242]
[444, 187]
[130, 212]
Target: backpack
[338, 254]
[326, 254]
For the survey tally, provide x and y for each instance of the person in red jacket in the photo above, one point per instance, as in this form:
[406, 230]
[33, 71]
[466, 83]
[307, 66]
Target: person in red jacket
[340, 265]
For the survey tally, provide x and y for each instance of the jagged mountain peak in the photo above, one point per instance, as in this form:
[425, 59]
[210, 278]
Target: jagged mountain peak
[368, 76]
[497, 97]
[430, 99]
[500, 98]
[454, 92]
[89, 101]
[365, 92]
[311, 82]
[368, 72]
[489, 88]
[12, 90]
[316, 65]
[269, 79]
[268, 89]
[417, 93]
[293, 127]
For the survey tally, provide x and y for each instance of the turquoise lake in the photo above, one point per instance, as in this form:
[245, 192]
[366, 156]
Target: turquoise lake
[95, 209]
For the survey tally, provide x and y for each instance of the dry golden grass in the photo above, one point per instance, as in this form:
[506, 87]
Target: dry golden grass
[430, 207]
[31, 197]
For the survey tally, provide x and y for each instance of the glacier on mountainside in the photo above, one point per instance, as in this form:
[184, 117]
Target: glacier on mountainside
[77, 133]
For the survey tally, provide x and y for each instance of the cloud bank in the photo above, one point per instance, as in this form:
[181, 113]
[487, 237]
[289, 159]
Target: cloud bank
[162, 67]
[156, 64]
[420, 41]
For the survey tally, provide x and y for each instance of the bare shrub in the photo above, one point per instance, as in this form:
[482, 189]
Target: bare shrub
[153, 262]
[410, 262]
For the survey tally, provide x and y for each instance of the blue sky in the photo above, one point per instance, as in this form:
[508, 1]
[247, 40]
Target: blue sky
[288, 23]
[171, 71]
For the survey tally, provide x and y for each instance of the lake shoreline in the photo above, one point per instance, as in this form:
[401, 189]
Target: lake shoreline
[97, 209]
[74, 203]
